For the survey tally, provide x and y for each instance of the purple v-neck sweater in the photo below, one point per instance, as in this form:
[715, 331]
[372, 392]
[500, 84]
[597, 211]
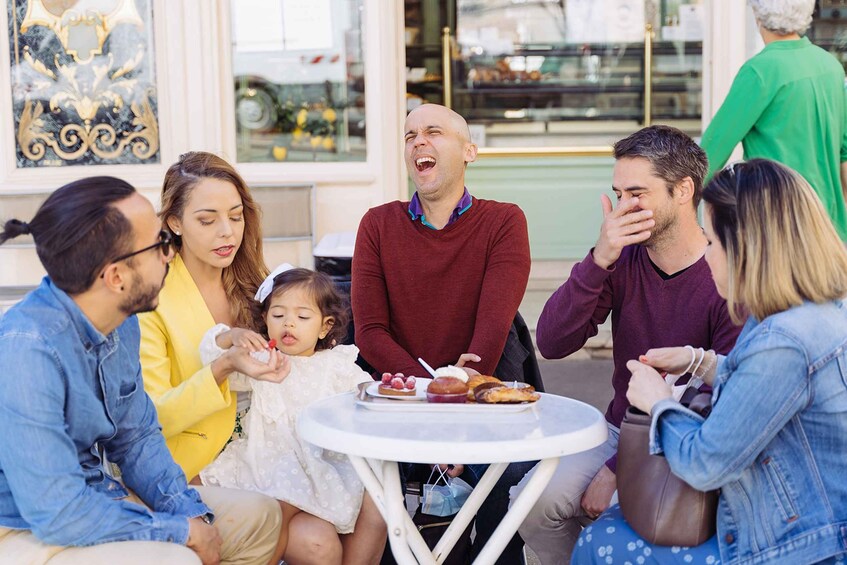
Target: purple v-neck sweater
[647, 311]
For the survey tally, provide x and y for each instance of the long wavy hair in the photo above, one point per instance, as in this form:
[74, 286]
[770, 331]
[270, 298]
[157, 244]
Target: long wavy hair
[247, 271]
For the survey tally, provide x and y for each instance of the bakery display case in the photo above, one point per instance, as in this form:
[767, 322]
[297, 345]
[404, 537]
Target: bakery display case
[558, 73]
[425, 49]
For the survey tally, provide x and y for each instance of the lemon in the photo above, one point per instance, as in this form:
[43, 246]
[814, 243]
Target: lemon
[329, 115]
[297, 134]
[328, 143]
[301, 117]
[316, 140]
[280, 153]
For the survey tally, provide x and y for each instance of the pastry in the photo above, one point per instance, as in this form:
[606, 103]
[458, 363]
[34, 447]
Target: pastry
[447, 389]
[477, 380]
[492, 393]
[452, 371]
[397, 385]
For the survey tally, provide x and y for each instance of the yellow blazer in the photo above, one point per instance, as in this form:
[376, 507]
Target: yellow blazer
[197, 416]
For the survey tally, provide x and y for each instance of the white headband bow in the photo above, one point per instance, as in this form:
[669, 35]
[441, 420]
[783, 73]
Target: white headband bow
[268, 284]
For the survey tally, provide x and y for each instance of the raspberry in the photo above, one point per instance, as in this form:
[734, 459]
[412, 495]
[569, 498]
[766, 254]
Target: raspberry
[397, 383]
[386, 378]
[272, 344]
[410, 383]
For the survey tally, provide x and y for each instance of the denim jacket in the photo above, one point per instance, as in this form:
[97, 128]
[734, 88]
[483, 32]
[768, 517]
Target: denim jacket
[776, 440]
[68, 396]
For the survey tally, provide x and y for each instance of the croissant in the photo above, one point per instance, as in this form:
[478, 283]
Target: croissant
[491, 393]
[477, 380]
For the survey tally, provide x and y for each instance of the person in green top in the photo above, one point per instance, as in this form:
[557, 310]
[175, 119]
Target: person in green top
[787, 103]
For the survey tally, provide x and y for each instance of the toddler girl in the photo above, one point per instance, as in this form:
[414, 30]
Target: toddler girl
[304, 317]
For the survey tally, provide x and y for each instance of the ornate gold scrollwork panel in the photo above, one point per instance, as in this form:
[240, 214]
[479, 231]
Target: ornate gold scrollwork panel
[83, 82]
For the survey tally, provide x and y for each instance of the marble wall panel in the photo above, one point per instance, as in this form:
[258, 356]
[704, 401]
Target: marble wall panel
[83, 82]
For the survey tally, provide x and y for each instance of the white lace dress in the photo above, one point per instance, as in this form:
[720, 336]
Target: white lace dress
[273, 460]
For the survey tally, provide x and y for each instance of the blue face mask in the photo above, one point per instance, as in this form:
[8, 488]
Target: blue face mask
[444, 499]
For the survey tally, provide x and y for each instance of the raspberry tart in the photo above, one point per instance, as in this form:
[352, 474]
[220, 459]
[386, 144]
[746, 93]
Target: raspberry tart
[397, 384]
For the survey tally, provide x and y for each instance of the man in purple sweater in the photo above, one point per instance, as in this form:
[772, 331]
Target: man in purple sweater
[648, 270]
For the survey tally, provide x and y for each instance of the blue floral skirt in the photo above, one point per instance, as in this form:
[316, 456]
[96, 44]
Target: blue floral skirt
[610, 540]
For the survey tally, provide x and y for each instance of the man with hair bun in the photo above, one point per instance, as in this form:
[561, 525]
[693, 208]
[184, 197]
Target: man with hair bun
[787, 103]
[71, 399]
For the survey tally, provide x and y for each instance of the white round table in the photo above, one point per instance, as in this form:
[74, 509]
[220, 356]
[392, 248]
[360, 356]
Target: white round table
[375, 440]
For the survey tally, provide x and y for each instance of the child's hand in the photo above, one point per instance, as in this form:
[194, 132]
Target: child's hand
[249, 340]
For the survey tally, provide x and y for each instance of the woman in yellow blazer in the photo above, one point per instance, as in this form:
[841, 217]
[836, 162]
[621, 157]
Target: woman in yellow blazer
[213, 277]
[217, 269]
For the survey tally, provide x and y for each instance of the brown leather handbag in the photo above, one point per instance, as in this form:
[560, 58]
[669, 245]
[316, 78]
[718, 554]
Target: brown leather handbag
[661, 508]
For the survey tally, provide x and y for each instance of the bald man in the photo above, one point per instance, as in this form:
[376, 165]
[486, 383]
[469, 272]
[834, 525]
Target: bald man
[440, 277]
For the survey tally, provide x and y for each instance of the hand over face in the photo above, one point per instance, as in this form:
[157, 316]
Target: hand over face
[646, 386]
[599, 492]
[621, 226]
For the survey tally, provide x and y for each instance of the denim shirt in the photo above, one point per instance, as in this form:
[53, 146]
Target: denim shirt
[776, 440]
[69, 395]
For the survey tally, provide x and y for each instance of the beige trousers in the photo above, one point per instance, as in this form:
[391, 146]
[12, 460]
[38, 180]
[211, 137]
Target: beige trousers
[248, 523]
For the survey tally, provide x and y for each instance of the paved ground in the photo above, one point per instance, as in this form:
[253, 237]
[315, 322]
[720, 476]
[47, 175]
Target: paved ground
[589, 380]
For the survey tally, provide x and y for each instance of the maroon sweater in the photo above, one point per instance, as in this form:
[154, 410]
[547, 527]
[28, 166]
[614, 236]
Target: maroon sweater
[435, 294]
[647, 311]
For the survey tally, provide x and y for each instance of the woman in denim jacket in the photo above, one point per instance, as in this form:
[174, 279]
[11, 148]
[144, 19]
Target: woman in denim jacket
[776, 440]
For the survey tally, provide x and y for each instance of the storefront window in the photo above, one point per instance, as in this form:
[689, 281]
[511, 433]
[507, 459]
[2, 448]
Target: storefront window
[829, 28]
[565, 72]
[299, 80]
[83, 82]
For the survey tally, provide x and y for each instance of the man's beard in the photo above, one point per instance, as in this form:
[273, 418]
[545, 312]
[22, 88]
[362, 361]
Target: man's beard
[664, 226]
[143, 298]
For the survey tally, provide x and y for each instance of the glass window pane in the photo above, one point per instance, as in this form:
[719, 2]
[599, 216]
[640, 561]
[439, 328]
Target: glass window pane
[299, 80]
[83, 82]
[829, 28]
[571, 73]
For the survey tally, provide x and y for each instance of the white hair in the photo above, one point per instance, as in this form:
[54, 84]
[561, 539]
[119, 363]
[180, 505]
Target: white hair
[783, 17]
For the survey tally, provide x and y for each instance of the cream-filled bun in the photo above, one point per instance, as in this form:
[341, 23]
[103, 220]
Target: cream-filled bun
[452, 371]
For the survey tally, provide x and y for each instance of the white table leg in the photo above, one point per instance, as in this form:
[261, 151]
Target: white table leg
[468, 511]
[517, 512]
[407, 545]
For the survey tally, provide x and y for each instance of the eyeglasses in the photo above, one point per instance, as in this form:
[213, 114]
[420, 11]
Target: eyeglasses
[165, 242]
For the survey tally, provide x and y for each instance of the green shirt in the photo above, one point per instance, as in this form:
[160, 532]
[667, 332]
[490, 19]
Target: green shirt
[788, 104]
